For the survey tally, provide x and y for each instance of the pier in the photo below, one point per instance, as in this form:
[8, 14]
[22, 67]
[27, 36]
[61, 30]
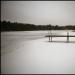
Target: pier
[67, 36]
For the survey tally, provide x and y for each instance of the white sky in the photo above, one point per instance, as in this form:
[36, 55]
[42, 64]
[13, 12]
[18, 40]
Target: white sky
[39, 12]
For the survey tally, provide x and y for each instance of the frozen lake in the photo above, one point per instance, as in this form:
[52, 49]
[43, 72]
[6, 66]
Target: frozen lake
[29, 52]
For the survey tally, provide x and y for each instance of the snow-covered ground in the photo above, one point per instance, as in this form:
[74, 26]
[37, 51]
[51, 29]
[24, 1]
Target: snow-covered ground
[31, 53]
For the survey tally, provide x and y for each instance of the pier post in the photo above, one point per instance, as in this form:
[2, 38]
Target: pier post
[51, 37]
[67, 36]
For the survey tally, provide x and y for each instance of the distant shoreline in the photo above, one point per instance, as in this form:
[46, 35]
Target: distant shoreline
[8, 26]
[38, 30]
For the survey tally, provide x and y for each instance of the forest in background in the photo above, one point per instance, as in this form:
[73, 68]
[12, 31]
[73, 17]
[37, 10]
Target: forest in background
[9, 26]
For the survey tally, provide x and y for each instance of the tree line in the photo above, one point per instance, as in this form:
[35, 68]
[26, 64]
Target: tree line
[9, 26]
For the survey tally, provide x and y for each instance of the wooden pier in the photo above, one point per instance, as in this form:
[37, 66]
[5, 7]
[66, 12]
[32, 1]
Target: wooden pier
[68, 36]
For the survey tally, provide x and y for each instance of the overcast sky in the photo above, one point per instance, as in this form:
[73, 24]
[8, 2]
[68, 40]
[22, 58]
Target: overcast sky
[39, 12]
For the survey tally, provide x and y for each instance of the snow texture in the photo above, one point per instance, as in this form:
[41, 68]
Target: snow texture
[32, 53]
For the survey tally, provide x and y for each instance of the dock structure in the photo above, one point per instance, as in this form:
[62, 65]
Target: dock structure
[51, 36]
